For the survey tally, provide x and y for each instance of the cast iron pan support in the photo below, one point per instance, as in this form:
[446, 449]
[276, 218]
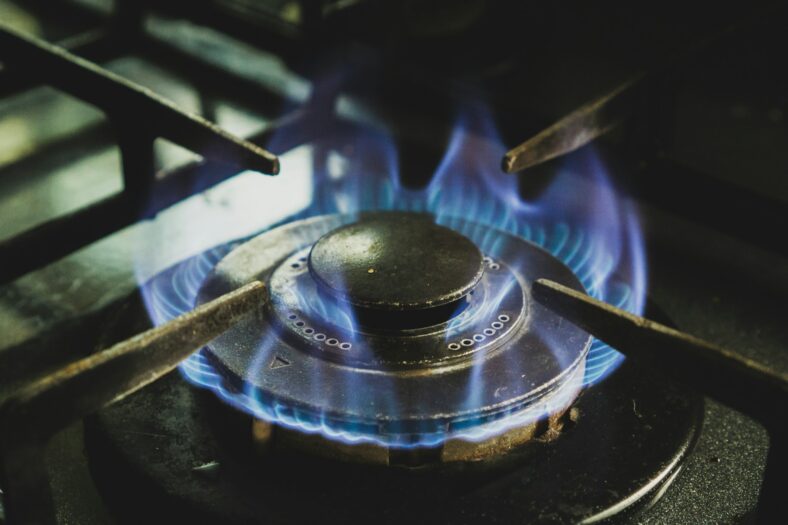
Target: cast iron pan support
[31, 415]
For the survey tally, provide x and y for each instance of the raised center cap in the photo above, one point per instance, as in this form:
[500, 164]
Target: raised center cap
[396, 261]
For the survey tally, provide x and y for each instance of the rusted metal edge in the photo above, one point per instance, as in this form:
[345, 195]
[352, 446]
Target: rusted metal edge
[62, 235]
[94, 44]
[32, 414]
[720, 373]
[578, 128]
[602, 114]
[88, 384]
[140, 107]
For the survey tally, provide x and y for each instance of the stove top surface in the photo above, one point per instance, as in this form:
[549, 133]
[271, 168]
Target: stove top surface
[716, 268]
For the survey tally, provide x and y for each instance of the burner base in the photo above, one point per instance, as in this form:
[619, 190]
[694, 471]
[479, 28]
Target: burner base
[627, 444]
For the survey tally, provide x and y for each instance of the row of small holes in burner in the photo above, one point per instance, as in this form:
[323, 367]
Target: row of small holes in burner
[478, 338]
[297, 265]
[317, 336]
[492, 265]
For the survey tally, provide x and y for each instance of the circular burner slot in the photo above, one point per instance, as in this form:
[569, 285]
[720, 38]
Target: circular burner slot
[297, 298]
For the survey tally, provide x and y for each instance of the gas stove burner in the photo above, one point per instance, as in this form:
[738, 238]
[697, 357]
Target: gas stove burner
[612, 453]
[401, 332]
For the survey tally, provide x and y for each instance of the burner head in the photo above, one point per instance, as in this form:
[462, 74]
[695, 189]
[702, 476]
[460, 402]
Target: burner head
[374, 363]
[396, 262]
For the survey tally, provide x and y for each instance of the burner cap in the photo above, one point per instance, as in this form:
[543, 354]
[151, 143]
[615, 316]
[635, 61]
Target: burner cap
[395, 262]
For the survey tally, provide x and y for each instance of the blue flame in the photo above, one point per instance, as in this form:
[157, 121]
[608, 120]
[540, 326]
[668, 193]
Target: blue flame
[579, 219]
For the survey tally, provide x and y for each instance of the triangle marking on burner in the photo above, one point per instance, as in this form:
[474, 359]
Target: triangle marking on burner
[278, 362]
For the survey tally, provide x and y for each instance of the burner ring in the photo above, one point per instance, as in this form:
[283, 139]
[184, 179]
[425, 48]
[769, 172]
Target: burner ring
[309, 320]
[398, 401]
